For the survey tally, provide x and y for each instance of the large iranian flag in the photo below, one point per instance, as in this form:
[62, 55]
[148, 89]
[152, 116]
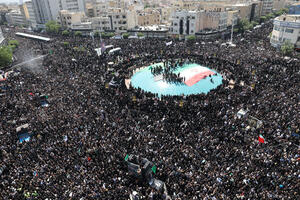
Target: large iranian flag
[194, 74]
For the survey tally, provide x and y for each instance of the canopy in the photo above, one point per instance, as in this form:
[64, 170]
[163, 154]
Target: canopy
[109, 46]
[114, 50]
[33, 36]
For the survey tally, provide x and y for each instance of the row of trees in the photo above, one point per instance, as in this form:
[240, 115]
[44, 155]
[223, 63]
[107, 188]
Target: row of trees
[244, 24]
[6, 53]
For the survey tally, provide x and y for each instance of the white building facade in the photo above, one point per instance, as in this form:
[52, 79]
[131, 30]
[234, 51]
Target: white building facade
[121, 20]
[72, 5]
[101, 24]
[45, 10]
[191, 22]
[31, 13]
[267, 7]
[185, 22]
[15, 17]
[286, 28]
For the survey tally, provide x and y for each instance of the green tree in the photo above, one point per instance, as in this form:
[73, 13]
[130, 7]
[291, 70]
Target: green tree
[66, 44]
[140, 35]
[191, 37]
[65, 33]
[284, 10]
[270, 16]
[125, 35]
[52, 27]
[235, 30]
[5, 56]
[262, 19]
[97, 34]
[287, 48]
[104, 35]
[11, 47]
[277, 13]
[281, 11]
[107, 35]
[13, 42]
[78, 33]
[254, 23]
[244, 25]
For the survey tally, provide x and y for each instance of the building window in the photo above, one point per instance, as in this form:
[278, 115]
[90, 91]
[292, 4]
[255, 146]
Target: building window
[289, 30]
[124, 16]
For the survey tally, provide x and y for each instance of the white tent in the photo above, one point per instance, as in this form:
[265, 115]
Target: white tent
[109, 47]
[114, 50]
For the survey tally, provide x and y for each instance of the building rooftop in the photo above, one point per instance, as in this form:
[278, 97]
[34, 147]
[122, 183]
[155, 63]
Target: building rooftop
[15, 12]
[296, 4]
[289, 18]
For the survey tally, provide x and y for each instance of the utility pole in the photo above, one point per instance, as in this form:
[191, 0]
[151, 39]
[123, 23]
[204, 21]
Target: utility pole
[232, 24]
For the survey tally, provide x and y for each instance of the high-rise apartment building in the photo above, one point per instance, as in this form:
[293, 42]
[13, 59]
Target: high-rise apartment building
[72, 5]
[15, 17]
[46, 10]
[30, 14]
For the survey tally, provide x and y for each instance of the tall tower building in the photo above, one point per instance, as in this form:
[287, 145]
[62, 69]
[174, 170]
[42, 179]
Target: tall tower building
[45, 10]
[72, 5]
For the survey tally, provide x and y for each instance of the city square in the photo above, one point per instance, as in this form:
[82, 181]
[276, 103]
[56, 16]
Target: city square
[149, 113]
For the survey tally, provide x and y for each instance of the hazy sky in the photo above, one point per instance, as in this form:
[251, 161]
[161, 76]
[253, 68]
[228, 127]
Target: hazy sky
[8, 1]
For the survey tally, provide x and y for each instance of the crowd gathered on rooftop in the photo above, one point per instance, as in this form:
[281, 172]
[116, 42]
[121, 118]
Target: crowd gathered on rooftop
[201, 149]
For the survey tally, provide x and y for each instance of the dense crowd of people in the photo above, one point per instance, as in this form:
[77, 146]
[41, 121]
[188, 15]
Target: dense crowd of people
[201, 149]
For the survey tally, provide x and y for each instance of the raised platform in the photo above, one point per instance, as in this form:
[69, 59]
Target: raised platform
[196, 80]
